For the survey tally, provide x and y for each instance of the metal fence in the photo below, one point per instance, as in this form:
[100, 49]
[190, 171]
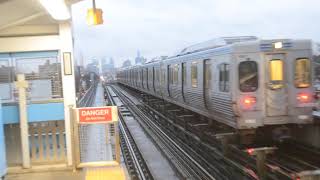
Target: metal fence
[47, 143]
[95, 143]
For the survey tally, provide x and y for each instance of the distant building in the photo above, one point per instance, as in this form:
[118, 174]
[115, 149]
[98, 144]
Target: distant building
[93, 67]
[6, 74]
[103, 61]
[108, 66]
[126, 63]
[111, 62]
[52, 72]
[140, 59]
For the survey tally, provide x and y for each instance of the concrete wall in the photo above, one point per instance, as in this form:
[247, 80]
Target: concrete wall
[49, 112]
[30, 43]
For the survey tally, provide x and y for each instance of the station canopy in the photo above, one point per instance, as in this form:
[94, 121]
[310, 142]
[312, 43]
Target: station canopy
[27, 18]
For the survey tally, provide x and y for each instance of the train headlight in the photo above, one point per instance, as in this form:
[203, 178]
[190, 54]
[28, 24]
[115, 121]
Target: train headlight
[248, 102]
[304, 97]
[277, 45]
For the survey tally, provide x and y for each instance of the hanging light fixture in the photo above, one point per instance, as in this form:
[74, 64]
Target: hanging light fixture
[94, 15]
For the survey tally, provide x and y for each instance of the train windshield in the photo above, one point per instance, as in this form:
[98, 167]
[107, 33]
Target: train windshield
[276, 74]
[302, 74]
[248, 76]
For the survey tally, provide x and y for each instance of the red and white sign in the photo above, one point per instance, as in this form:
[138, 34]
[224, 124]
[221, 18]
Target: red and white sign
[95, 115]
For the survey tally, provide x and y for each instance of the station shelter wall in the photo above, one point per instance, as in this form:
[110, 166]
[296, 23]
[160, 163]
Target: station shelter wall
[43, 73]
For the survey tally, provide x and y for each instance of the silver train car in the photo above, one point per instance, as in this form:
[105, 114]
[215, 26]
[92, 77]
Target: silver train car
[243, 82]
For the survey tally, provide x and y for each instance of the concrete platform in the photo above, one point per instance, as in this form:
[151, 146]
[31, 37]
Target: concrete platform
[56, 175]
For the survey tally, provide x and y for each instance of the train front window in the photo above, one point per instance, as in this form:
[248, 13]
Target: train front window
[302, 73]
[248, 76]
[276, 74]
[224, 77]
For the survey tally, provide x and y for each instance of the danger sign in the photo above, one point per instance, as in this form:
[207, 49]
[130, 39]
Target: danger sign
[94, 115]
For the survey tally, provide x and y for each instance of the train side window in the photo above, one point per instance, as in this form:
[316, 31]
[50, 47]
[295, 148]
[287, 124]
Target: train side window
[147, 78]
[153, 76]
[224, 77]
[207, 74]
[136, 77]
[302, 75]
[163, 75]
[142, 77]
[184, 74]
[276, 73]
[194, 74]
[248, 76]
[175, 74]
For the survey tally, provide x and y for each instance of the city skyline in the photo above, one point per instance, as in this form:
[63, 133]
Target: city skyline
[166, 27]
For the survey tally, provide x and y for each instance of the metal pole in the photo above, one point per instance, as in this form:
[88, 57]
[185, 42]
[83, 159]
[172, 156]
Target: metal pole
[21, 84]
[72, 133]
[261, 159]
[94, 5]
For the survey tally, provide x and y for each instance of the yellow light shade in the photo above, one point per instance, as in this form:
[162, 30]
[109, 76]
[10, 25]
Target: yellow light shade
[276, 70]
[94, 16]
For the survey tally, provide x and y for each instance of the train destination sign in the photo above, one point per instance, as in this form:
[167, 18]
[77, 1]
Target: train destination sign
[95, 115]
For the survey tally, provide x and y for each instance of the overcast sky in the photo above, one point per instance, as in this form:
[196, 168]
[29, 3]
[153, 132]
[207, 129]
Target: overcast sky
[163, 27]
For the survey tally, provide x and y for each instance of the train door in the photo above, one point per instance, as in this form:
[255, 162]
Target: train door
[276, 90]
[183, 79]
[162, 79]
[169, 78]
[207, 82]
[153, 79]
[147, 78]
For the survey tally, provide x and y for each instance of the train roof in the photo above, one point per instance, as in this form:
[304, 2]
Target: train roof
[222, 44]
[214, 43]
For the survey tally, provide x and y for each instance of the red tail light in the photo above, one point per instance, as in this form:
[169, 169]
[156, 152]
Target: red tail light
[304, 97]
[248, 102]
[317, 95]
[250, 151]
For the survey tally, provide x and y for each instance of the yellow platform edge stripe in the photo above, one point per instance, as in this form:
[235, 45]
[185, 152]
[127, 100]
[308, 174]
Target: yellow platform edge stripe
[107, 173]
[99, 164]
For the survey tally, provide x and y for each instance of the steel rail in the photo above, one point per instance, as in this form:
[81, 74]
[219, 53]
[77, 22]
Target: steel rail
[200, 172]
[88, 98]
[141, 168]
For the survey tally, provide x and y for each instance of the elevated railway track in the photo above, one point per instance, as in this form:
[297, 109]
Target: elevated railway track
[213, 153]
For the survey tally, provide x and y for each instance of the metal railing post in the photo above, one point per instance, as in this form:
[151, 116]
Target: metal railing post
[22, 84]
